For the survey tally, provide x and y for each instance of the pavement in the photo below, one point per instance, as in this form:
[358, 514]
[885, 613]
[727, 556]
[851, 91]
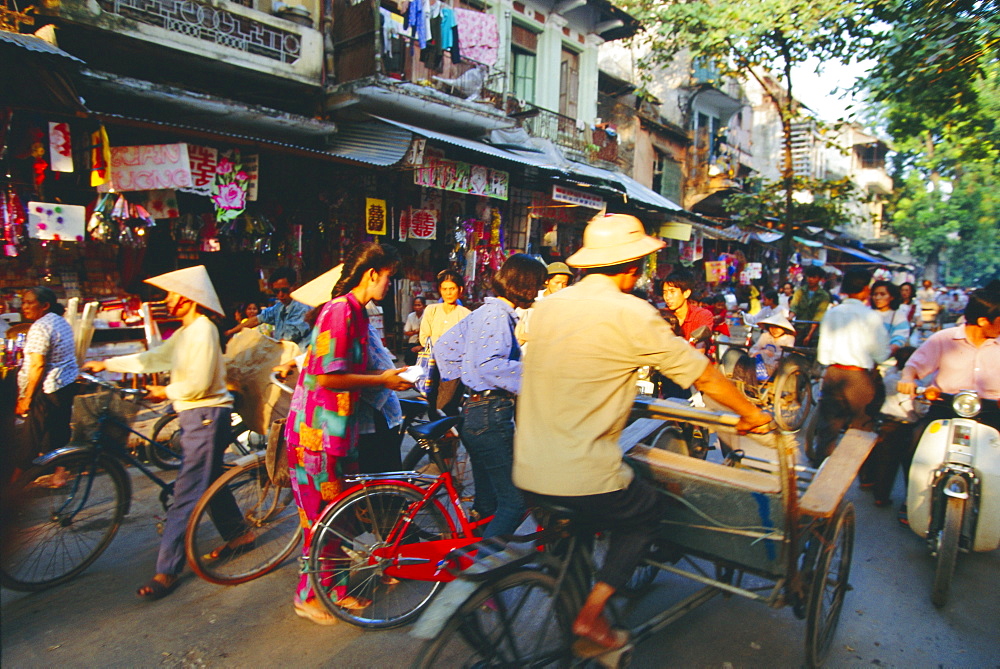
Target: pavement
[887, 620]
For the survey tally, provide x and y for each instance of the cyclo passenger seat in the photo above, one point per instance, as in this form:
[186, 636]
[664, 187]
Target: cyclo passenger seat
[433, 430]
[553, 516]
[412, 408]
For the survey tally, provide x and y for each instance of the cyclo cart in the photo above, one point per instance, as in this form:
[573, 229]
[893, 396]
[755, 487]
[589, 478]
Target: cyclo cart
[759, 526]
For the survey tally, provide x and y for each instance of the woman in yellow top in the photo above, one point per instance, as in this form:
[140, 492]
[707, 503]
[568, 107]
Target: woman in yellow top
[438, 319]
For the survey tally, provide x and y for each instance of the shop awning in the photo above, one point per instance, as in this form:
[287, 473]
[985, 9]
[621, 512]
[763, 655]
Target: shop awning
[36, 44]
[371, 143]
[857, 253]
[808, 242]
[461, 142]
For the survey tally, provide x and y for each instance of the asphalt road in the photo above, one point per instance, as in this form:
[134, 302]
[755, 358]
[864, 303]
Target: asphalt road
[888, 619]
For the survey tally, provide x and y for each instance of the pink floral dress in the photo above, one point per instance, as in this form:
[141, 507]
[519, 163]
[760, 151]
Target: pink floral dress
[320, 430]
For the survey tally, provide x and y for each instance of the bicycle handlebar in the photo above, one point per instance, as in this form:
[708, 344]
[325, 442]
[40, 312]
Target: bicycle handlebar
[675, 410]
[278, 382]
[137, 393]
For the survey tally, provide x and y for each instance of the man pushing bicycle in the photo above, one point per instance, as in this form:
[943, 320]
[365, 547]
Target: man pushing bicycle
[578, 386]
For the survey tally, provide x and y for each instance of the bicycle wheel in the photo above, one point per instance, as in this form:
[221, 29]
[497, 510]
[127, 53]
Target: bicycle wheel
[829, 585]
[342, 563]
[165, 451]
[792, 394]
[269, 514]
[54, 533]
[515, 621]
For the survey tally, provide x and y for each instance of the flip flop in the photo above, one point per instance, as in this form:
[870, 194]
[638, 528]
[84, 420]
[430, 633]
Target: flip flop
[315, 614]
[157, 590]
[585, 648]
[352, 603]
[226, 551]
[902, 517]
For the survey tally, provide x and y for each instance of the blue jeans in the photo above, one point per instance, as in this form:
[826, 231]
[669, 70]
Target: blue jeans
[488, 434]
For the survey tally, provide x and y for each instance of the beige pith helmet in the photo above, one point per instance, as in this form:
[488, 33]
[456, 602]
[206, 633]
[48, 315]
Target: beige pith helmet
[192, 283]
[777, 320]
[317, 292]
[613, 239]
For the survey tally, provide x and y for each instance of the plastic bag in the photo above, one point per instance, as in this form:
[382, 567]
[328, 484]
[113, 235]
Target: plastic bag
[428, 369]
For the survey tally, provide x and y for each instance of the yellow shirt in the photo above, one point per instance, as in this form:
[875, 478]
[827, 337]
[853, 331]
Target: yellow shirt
[436, 322]
[585, 347]
[193, 357]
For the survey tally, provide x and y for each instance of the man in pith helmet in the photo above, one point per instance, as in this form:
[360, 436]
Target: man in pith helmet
[587, 343]
[198, 391]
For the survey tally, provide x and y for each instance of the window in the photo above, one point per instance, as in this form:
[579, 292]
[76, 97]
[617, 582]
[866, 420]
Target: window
[667, 177]
[569, 83]
[707, 131]
[871, 156]
[524, 44]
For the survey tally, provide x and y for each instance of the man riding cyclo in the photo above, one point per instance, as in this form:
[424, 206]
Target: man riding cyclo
[809, 304]
[587, 343]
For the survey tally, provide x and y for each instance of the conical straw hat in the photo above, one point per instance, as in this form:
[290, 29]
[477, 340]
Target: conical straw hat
[317, 292]
[192, 283]
[778, 320]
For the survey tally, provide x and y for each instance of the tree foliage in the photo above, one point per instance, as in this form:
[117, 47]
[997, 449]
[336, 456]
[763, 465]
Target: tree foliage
[827, 205]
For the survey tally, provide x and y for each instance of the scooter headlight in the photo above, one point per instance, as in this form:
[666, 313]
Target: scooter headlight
[966, 404]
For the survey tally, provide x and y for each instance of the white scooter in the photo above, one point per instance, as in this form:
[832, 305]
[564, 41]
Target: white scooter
[953, 497]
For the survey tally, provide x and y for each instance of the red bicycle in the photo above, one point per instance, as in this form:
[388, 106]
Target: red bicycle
[377, 551]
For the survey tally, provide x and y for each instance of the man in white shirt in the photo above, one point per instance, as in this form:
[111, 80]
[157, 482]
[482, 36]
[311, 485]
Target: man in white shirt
[852, 341]
[193, 356]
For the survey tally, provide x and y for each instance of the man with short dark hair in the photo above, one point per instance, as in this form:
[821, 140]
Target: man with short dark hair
[587, 343]
[677, 289]
[810, 303]
[287, 316]
[852, 341]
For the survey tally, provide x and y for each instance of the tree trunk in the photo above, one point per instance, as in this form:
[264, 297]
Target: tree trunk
[786, 113]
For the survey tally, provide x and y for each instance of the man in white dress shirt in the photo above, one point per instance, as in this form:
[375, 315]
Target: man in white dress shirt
[852, 341]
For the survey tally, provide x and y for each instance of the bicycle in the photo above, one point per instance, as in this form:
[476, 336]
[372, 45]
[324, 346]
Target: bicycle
[56, 531]
[380, 543]
[167, 435]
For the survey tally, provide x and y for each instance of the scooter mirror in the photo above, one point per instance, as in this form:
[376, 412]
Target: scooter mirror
[700, 335]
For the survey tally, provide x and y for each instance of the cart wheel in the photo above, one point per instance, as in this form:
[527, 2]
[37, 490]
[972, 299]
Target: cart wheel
[829, 585]
[792, 394]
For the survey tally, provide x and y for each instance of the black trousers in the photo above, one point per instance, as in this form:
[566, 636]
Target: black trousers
[851, 399]
[633, 517]
[47, 427]
[379, 451]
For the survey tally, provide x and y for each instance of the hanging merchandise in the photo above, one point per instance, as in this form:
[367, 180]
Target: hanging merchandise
[60, 147]
[249, 232]
[99, 225]
[161, 203]
[229, 190]
[209, 242]
[56, 222]
[13, 218]
[39, 165]
[423, 224]
[202, 161]
[132, 221]
[715, 271]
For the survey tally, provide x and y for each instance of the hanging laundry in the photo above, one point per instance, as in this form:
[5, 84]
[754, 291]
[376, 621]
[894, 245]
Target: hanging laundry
[478, 35]
[449, 34]
[417, 19]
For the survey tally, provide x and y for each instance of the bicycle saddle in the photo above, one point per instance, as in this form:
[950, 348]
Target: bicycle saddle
[434, 430]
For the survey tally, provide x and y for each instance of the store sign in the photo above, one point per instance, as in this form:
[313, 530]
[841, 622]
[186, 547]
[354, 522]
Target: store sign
[462, 177]
[149, 168]
[423, 224]
[202, 160]
[676, 230]
[563, 194]
[375, 217]
[715, 271]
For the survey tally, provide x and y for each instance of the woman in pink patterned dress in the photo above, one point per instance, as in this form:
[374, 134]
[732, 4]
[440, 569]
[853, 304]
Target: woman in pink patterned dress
[321, 431]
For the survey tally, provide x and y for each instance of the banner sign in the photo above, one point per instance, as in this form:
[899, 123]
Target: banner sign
[423, 224]
[60, 147]
[59, 222]
[563, 194]
[149, 168]
[462, 177]
[202, 160]
[375, 217]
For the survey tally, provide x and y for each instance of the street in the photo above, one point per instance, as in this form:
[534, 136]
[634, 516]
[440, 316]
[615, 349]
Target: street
[888, 619]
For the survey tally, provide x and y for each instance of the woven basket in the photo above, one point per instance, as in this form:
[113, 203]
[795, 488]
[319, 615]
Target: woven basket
[88, 408]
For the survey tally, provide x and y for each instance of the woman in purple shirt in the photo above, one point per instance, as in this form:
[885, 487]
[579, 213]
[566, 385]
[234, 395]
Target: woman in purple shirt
[483, 352]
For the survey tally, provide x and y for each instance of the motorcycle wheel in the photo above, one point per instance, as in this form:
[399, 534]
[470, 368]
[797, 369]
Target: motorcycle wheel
[947, 552]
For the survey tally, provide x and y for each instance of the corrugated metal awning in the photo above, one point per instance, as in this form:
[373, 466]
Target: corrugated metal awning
[36, 44]
[372, 143]
[462, 142]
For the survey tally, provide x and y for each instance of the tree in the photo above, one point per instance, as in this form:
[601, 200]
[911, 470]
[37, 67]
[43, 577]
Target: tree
[827, 202]
[936, 87]
[749, 37]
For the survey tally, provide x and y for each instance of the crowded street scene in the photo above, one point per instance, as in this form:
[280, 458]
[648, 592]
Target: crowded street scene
[394, 333]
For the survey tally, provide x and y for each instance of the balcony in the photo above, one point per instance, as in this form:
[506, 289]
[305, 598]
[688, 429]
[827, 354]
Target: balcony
[218, 35]
[874, 180]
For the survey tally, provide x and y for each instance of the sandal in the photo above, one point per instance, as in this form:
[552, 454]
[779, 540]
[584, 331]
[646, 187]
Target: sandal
[352, 603]
[225, 551]
[902, 517]
[313, 612]
[157, 589]
[614, 639]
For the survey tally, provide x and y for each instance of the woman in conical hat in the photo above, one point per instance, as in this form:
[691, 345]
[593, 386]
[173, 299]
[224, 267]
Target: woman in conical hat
[198, 391]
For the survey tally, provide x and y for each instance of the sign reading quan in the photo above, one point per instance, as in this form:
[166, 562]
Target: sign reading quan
[462, 177]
